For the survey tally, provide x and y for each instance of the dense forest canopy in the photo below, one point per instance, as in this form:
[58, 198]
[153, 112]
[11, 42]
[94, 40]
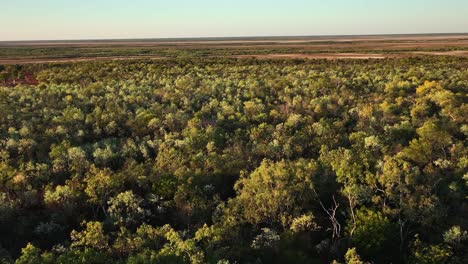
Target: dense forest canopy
[235, 161]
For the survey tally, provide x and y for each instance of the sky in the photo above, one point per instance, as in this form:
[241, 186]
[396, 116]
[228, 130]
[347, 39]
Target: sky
[120, 19]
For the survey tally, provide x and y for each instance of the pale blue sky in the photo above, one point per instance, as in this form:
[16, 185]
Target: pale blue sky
[91, 19]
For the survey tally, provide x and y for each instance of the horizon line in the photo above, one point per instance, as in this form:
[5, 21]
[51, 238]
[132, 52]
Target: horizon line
[207, 38]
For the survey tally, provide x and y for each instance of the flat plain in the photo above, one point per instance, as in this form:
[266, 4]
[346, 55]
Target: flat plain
[314, 47]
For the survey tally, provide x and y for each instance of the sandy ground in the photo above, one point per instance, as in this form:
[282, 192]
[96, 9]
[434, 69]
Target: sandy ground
[459, 53]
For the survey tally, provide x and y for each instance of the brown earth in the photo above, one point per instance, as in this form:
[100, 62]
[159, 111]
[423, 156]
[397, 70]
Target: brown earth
[28, 78]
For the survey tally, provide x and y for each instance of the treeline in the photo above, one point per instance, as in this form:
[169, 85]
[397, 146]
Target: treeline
[235, 161]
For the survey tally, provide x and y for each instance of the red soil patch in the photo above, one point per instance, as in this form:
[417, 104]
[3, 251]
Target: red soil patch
[28, 79]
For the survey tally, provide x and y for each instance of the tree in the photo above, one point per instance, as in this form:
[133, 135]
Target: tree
[184, 251]
[99, 186]
[431, 144]
[78, 161]
[350, 170]
[83, 256]
[62, 196]
[267, 239]
[276, 192]
[126, 208]
[30, 255]
[92, 236]
[304, 223]
[370, 232]
[429, 254]
[352, 257]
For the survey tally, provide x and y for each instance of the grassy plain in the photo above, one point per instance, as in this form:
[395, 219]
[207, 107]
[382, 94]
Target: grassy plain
[318, 47]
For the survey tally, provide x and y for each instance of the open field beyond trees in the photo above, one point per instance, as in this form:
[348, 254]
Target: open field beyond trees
[385, 46]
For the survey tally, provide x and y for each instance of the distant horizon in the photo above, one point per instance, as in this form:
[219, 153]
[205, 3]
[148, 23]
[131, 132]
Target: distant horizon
[240, 37]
